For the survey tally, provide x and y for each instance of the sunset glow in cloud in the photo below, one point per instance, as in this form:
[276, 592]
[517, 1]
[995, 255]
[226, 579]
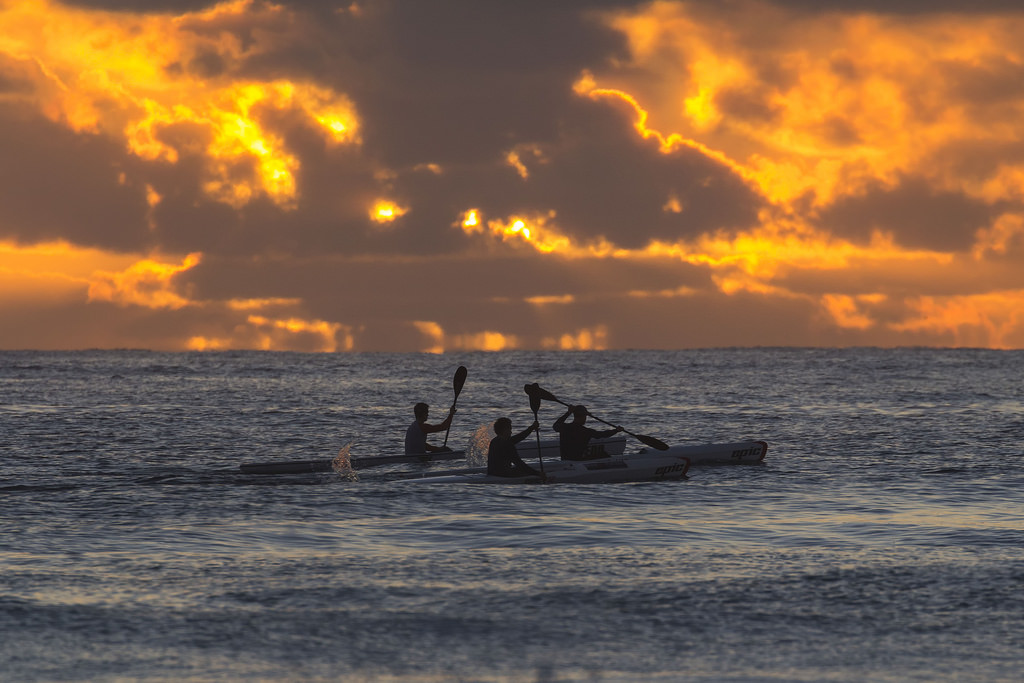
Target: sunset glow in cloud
[281, 175]
[164, 85]
[145, 283]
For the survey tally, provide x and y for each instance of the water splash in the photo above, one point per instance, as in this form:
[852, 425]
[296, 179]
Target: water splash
[342, 463]
[476, 452]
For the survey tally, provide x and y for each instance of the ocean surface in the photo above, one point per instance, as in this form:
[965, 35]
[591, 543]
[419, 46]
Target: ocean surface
[882, 539]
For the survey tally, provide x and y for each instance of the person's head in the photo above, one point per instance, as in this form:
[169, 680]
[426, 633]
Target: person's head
[503, 426]
[579, 414]
[421, 410]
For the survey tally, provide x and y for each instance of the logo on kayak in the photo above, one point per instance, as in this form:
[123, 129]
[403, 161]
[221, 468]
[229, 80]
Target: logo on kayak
[744, 452]
[670, 469]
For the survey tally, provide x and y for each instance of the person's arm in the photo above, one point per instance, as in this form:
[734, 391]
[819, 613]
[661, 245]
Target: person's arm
[526, 432]
[605, 434]
[440, 426]
[560, 421]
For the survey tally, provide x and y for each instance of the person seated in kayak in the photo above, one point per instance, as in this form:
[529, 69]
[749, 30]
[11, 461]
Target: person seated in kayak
[502, 457]
[575, 436]
[416, 434]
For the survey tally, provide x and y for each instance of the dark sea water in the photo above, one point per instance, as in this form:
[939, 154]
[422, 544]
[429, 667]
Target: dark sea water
[881, 540]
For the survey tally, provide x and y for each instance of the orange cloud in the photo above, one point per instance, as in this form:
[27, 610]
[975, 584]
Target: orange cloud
[846, 310]
[432, 331]
[145, 283]
[587, 339]
[998, 237]
[514, 158]
[149, 283]
[140, 78]
[485, 341]
[993, 320]
[385, 211]
[59, 273]
[273, 334]
[537, 231]
[562, 299]
[52, 270]
[279, 334]
[532, 231]
[812, 111]
[849, 99]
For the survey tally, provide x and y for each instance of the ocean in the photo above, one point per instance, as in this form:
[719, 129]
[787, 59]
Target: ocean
[882, 539]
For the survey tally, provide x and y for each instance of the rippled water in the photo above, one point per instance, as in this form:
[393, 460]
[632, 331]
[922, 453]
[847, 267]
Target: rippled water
[883, 538]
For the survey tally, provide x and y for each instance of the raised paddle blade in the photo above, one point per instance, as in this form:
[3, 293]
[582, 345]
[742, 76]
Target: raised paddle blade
[546, 395]
[459, 380]
[457, 383]
[531, 389]
[651, 441]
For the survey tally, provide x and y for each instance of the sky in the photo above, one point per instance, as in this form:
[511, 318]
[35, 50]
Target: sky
[459, 175]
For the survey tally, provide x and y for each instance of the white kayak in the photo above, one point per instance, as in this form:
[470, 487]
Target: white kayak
[614, 445]
[735, 453]
[738, 452]
[611, 470]
[645, 465]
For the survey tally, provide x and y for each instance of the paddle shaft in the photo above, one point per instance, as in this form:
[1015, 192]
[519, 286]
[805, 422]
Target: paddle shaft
[649, 440]
[535, 407]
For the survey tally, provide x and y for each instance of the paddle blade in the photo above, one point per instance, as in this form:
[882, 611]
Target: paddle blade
[531, 390]
[545, 394]
[460, 379]
[652, 442]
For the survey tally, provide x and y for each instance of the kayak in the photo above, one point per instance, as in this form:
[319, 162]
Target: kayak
[646, 464]
[738, 452]
[735, 453]
[612, 470]
[614, 445]
[327, 465]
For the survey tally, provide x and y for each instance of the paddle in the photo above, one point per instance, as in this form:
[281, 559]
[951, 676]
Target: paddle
[532, 392]
[649, 440]
[457, 383]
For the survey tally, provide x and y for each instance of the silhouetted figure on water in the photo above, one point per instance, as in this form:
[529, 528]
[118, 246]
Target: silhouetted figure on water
[416, 434]
[575, 436]
[503, 459]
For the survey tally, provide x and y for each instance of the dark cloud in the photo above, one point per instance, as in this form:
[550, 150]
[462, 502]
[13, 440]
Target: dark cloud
[459, 85]
[56, 184]
[916, 214]
[12, 79]
[898, 6]
[604, 180]
[901, 279]
[350, 289]
[463, 296]
[458, 82]
[176, 6]
[1000, 79]
[531, 5]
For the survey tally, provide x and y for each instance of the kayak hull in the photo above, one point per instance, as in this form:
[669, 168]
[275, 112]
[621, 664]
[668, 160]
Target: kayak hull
[732, 453]
[527, 448]
[304, 466]
[612, 470]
